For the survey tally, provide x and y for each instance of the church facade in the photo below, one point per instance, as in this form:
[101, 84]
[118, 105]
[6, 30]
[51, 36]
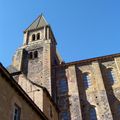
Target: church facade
[82, 90]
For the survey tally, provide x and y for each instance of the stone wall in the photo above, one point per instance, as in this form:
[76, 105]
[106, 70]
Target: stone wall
[18, 59]
[34, 92]
[49, 109]
[39, 96]
[112, 88]
[35, 65]
[99, 96]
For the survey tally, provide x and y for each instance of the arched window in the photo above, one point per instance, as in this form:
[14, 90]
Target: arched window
[36, 54]
[65, 115]
[33, 37]
[87, 80]
[93, 114]
[16, 112]
[111, 76]
[38, 36]
[118, 109]
[62, 86]
[30, 55]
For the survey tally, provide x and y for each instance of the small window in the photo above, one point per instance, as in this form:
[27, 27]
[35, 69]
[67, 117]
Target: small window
[93, 114]
[33, 37]
[111, 76]
[38, 36]
[16, 112]
[30, 55]
[36, 54]
[86, 80]
[51, 113]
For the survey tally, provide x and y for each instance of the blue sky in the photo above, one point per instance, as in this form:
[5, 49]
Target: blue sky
[83, 28]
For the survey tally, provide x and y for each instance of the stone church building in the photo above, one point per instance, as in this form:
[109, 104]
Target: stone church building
[82, 90]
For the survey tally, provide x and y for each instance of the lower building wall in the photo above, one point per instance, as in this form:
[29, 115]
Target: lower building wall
[39, 96]
[34, 92]
[8, 98]
[48, 108]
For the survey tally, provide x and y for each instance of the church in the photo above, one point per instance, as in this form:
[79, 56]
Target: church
[55, 90]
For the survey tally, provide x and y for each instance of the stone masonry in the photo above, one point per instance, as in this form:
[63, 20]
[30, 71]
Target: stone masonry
[82, 90]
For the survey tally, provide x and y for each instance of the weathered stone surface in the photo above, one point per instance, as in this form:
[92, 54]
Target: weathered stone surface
[73, 98]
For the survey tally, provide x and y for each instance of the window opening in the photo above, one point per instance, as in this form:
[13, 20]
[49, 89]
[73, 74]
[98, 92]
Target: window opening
[62, 86]
[93, 114]
[111, 76]
[36, 54]
[33, 37]
[17, 111]
[38, 36]
[51, 113]
[86, 80]
[30, 55]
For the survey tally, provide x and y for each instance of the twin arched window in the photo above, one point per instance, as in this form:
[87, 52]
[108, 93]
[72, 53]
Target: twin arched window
[86, 80]
[33, 55]
[37, 36]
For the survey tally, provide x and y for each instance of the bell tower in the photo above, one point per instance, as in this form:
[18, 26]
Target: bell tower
[37, 54]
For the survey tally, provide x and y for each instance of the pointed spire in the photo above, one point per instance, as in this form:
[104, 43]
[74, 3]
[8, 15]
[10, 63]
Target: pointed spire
[38, 23]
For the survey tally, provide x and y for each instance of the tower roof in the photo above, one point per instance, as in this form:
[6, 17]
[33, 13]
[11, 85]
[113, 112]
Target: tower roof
[37, 23]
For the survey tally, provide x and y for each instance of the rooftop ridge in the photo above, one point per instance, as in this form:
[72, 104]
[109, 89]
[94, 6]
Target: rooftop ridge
[39, 22]
[95, 58]
[90, 59]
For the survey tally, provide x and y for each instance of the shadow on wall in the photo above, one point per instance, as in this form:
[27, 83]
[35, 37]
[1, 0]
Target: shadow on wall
[88, 110]
[62, 96]
[110, 79]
